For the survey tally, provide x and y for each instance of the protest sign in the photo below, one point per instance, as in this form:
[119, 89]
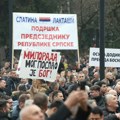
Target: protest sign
[37, 30]
[112, 57]
[39, 64]
[20, 59]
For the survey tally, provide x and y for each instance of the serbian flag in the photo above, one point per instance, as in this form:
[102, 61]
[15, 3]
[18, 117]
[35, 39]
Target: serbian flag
[44, 19]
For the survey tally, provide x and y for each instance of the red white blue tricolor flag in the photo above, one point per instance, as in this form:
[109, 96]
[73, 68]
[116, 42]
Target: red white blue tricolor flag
[44, 19]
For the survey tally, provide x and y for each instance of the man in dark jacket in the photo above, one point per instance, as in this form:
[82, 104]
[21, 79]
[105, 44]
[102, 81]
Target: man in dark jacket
[81, 77]
[110, 110]
[77, 99]
[96, 114]
[52, 109]
[95, 94]
[3, 110]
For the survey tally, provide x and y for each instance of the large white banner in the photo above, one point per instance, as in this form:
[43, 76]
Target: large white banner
[36, 64]
[58, 31]
[112, 57]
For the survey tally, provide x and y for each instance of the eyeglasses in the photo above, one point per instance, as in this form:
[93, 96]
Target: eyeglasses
[81, 76]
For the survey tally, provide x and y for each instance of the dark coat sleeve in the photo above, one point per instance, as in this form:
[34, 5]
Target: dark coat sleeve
[83, 115]
[62, 114]
[109, 116]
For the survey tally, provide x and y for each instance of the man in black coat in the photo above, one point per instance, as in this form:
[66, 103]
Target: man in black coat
[3, 110]
[96, 95]
[96, 114]
[61, 67]
[110, 110]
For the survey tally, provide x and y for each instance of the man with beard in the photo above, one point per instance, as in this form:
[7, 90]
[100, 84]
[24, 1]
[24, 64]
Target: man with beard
[95, 94]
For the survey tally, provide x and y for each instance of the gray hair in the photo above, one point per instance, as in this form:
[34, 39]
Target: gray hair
[108, 97]
[28, 102]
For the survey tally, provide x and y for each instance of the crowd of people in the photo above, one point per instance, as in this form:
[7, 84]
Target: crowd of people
[77, 93]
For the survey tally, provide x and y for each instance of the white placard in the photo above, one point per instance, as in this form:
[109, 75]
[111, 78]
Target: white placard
[39, 64]
[56, 31]
[112, 57]
[20, 60]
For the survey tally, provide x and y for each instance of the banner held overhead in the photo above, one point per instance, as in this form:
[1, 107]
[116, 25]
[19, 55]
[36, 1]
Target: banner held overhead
[58, 31]
[112, 57]
[39, 64]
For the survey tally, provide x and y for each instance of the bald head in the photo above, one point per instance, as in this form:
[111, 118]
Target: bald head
[96, 74]
[113, 92]
[31, 112]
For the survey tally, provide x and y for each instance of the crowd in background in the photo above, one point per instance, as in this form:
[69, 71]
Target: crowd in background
[77, 94]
